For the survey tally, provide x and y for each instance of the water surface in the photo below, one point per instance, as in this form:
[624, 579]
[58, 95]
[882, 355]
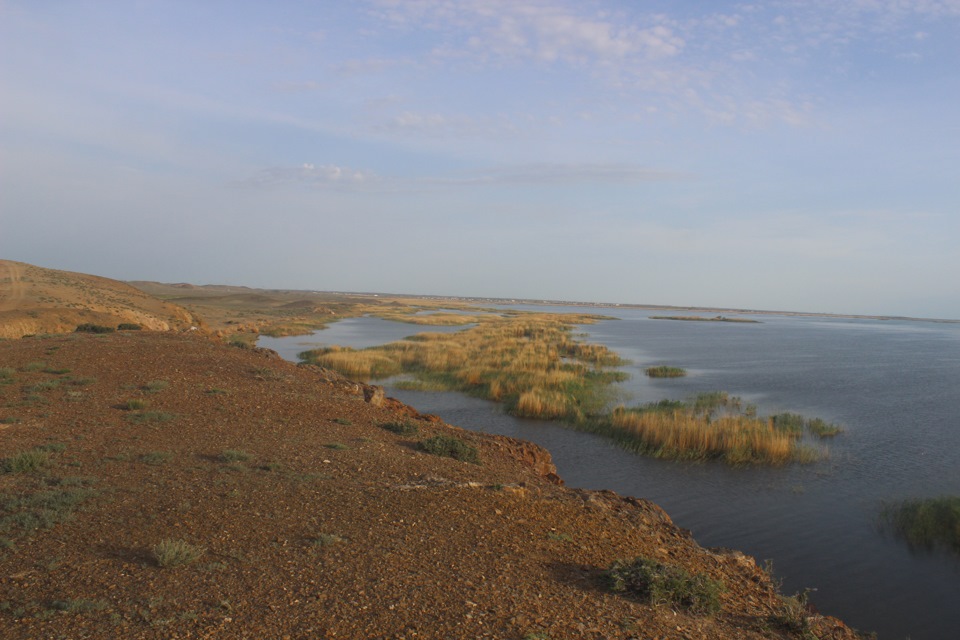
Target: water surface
[893, 385]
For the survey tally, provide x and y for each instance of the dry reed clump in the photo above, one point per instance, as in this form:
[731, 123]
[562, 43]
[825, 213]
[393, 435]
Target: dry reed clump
[711, 426]
[686, 434]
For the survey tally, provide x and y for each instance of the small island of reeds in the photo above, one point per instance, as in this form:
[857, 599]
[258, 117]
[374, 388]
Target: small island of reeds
[931, 523]
[664, 371]
[704, 319]
[536, 367]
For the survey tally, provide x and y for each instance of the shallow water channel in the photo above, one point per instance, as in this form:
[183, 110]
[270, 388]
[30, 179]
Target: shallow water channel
[893, 385]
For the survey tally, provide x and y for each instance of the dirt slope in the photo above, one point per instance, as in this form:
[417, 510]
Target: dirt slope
[315, 522]
[35, 300]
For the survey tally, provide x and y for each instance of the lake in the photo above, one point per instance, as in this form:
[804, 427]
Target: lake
[894, 385]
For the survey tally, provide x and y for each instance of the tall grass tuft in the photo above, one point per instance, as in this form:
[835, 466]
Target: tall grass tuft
[928, 523]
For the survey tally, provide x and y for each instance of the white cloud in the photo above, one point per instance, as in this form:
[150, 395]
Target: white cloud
[324, 175]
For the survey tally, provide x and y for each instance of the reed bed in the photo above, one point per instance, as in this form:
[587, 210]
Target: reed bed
[929, 523]
[535, 366]
[711, 426]
[530, 362]
[663, 371]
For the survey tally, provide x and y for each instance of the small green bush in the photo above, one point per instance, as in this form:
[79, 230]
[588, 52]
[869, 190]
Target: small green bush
[89, 327]
[337, 446]
[658, 583]
[400, 428]
[128, 326]
[174, 553]
[452, 448]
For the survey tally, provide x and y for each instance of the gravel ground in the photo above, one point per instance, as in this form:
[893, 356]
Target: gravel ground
[312, 520]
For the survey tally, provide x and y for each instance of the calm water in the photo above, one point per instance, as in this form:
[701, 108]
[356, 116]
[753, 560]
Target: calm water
[893, 385]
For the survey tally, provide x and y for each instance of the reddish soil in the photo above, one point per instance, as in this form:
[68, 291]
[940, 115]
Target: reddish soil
[417, 546]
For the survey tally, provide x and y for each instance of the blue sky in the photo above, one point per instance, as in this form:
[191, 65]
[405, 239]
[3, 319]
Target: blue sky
[785, 155]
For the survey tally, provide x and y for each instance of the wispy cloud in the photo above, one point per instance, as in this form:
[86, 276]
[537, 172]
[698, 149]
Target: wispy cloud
[340, 177]
[324, 176]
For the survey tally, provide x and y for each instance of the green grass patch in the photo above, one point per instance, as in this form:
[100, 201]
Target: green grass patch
[656, 583]
[928, 523]
[451, 447]
[37, 365]
[134, 404]
[343, 421]
[171, 553]
[337, 446]
[26, 512]
[128, 326]
[400, 427]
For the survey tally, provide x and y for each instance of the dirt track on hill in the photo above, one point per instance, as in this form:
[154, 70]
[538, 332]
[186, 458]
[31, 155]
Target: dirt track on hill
[11, 286]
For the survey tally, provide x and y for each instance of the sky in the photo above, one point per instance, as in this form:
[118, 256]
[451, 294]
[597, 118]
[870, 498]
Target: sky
[776, 155]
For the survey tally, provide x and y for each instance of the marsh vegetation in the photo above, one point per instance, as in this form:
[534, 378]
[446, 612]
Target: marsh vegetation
[931, 523]
[536, 367]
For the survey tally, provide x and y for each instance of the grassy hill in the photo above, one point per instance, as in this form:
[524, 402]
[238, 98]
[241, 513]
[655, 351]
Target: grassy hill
[35, 300]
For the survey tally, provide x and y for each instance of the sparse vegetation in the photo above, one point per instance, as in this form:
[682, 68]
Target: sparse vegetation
[28, 511]
[337, 446]
[77, 606]
[128, 326]
[135, 404]
[451, 447]
[26, 461]
[171, 553]
[657, 583]
[664, 371]
[155, 386]
[343, 421]
[930, 523]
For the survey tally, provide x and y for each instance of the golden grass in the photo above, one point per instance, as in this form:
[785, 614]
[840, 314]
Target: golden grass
[529, 361]
[534, 365]
[686, 433]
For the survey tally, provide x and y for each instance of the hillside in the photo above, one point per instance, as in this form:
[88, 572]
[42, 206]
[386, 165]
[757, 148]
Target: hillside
[35, 300]
[313, 519]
